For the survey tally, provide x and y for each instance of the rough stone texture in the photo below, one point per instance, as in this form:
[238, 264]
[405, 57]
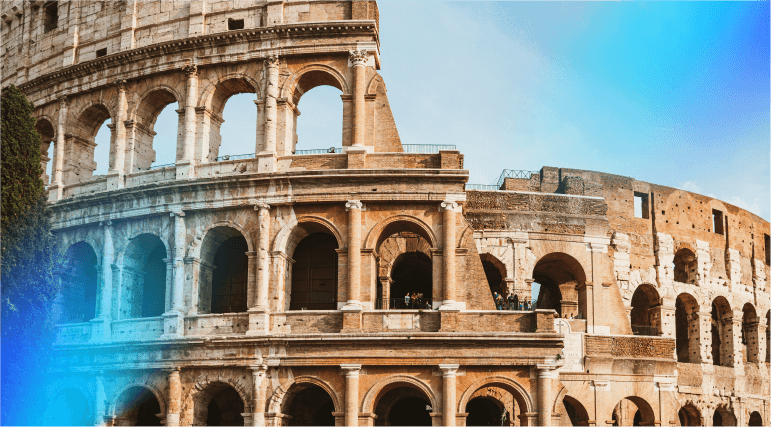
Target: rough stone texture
[572, 231]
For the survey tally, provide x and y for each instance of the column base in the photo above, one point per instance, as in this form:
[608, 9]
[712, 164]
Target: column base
[352, 305]
[352, 321]
[173, 325]
[258, 419]
[55, 192]
[172, 420]
[369, 149]
[100, 329]
[185, 169]
[267, 162]
[449, 305]
[115, 181]
[259, 322]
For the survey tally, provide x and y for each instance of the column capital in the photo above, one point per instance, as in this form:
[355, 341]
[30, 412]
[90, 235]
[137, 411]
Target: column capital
[350, 369]
[358, 57]
[173, 369]
[354, 204]
[190, 70]
[260, 206]
[258, 369]
[105, 223]
[121, 84]
[63, 100]
[449, 205]
[449, 370]
[272, 61]
[179, 214]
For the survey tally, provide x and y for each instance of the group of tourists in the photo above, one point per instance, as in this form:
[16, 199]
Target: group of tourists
[415, 300]
[512, 302]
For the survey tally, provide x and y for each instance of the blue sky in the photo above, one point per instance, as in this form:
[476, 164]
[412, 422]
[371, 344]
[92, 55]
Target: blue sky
[674, 93]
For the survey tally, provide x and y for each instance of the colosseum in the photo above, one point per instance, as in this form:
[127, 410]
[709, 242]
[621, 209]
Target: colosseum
[355, 285]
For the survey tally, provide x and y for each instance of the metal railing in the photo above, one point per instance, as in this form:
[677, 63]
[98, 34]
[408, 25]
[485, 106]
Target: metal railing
[330, 150]
[483, 187]
[161, 166]
[403, 304]
[510, 173]
[650, 331]
[426, 148]
[234, 157]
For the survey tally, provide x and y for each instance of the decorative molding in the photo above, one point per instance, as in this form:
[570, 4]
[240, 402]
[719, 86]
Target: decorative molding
[354, 204]
[272, 61]
[190, 70]
[358, 57]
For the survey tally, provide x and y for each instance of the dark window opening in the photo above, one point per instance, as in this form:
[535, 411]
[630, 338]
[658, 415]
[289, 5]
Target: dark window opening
[717, 221]
[229, 277]
[767, 240]
[235, 24]
[641, 205]
[311, 407]
[314, 274]
[101, 52]
[51, 17]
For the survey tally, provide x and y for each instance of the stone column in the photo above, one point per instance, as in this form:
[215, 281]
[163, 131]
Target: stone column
[173, 324]
[175, 398]
[359, 62]
[100, 409]
[267, 158]
[117, 171]
[448, 394]
[57, 181]
[354, 208]
[733, 337]
[448, 300]
[258, 314]
[351, 372]
[100, 326]
[187, 162]
[546, 374]
[259, 386]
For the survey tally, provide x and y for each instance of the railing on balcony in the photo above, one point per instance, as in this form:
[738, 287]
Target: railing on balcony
[650, 331]
[483, 187]
[234, 157]
[403, 304]
[161, 166]
[330, 150]
[426, 148]
[510, 173]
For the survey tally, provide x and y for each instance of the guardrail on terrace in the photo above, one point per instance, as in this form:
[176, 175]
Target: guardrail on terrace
[483, 187]
[330, 150]
[426, 148]
[234, 157]
[510, 173]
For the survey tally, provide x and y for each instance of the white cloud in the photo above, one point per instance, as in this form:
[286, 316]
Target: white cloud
[691, 186]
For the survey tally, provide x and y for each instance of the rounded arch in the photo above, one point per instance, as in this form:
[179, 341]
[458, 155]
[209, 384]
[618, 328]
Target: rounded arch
[579, 411]
[218, 91]
[152, 101]
[520, 394]
[685, 265]
[76, 300]
[90, 116]
[749, 333]
[298, 228]
[374, 84]
[647, 415]
[205, 392]
[495, 273]
[573, 265]
[197, 248]
[755, 419]
[116, 406]
[44, 126]
[223, 269]
[277, 399]
[497, 263]
[689, 415]
[724, 416]
[645, 315]
[368, 404]
[144, 277]
[310, 76]
[396, 223]
[560, 276]
[687, 327]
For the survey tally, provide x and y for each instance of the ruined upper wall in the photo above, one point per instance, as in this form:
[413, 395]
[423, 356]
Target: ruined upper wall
[41, 37]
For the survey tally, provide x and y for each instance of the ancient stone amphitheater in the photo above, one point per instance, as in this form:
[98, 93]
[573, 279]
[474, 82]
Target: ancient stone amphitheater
[269, 289]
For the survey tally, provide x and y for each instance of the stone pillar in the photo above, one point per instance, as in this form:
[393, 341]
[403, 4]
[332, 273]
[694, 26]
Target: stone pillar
[100, 409]
[100, 327]
[704, 342]
[267, 158]
[668, 324]
[175, 398]
[354, 208]
[448, 300]
[359, 62]
[586, 304]
[115, 176]
[694, 338]
[448, 394]
[173, 323]
[351, 372]
[258, 314]
[259, 386]
[735, 324]
[546, 375]
[56, 189]
[187, 162]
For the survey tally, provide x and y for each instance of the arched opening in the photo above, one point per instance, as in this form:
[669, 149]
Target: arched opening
[633, 411]
[322, 126]
[156, 120]
[512, 401]
[224, 272]
[689, 415]
[138, 406]
[687, 326]
[89, 140]
[314, 273]
[399, 404]
[69, 408]
[411, 276]
[755, 419]
[685, 266]
[308, 405]
[559, 276]
[722, 332]
[575, 412]
[723, 417]
[750, 339]
[646, 311]
[234, 99]
[218, 404]
[495, 272]
[76, 300]
[485, 411]
[46, 131]
[143, 284]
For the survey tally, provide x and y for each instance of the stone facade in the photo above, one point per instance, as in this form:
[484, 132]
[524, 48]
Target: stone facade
[268, 289]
